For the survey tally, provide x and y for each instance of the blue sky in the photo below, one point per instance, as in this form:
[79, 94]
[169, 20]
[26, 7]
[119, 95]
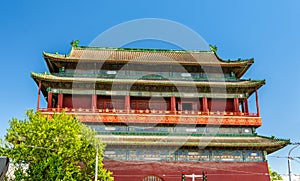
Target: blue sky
[266, 30]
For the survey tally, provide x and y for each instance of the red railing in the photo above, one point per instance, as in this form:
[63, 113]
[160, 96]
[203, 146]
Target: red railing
[155, 112]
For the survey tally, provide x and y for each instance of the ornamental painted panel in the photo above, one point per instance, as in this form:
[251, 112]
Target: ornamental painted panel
[148, 153]
[227, 155]
[253, 156]
[130, 118]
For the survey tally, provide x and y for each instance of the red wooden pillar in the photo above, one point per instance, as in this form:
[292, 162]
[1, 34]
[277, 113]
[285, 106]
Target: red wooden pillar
[39, 96]
[205, 105]
[94, 101]
[236, 104]
[246, 108]
[49, 99]
[127, 103]
[60, 101]
[173, 104]
[257, 104]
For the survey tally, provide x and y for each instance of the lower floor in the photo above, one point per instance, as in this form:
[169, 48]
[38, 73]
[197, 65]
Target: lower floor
[172, 171]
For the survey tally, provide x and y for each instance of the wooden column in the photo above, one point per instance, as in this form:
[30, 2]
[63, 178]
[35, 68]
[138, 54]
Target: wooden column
[236, 104]
[173, 104]
[257, 104]
[39, 96]
[246, 105]
[94, 101]
[205, 105]
[127, 103]
[49, 99]
[60, 100]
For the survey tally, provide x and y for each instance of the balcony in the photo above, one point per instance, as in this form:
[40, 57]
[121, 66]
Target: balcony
[147, 111]
[159, 116]
[147, 76]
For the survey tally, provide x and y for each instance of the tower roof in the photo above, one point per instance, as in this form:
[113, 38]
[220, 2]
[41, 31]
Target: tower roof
[254, 142]
[146, 56]
[246, 87]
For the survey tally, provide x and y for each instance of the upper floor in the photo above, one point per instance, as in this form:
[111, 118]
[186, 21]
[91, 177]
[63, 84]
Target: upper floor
[134, 82]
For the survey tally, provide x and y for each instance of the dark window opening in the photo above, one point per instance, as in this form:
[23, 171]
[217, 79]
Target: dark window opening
[187, 106]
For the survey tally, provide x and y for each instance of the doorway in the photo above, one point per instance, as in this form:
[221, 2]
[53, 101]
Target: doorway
[152, 178]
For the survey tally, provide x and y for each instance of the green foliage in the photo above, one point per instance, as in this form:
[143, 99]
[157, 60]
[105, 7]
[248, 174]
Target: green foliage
[54, 147]
[274, 175]
[2, 150]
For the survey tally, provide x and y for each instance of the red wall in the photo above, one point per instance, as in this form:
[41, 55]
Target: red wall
[141, 103]
[171, 171]
[77, 101]
[108, 102]
[220, 105]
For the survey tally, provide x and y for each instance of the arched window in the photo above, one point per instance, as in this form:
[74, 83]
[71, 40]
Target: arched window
[152, 178]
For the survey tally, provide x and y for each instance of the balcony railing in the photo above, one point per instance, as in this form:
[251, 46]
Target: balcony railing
[146, 77]
[147, 111]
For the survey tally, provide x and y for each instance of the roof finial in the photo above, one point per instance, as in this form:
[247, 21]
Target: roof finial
[213, 48]
[74, 43]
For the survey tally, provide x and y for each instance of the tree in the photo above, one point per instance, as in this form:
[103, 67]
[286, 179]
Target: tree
[274, 175]
[54, 147]
[1, 147]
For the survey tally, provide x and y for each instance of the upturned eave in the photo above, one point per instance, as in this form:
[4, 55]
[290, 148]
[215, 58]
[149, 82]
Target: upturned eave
[267, 144]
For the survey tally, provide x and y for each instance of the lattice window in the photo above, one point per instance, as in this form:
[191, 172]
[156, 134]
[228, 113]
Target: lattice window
[116, 154]
[187, 155]
[192, 155]
[227, 155]
[150, 154]
[253, 156]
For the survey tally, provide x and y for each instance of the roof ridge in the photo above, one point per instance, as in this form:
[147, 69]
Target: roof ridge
[148, 50]
[274, 138]
[144, 49]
